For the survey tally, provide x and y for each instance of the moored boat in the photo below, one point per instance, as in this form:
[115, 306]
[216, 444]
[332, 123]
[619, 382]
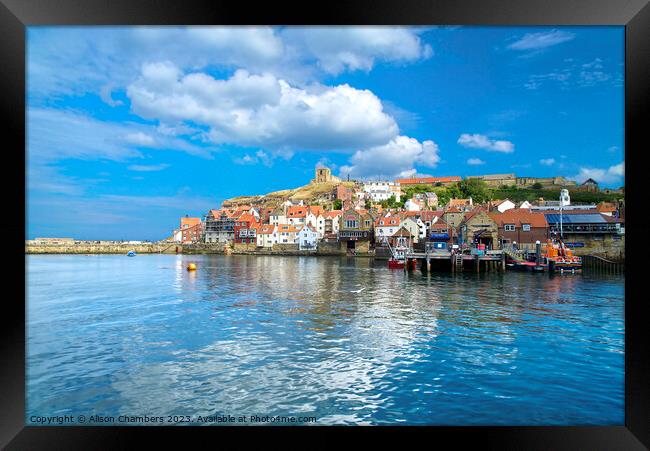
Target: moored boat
[560, 258]
[131, 254]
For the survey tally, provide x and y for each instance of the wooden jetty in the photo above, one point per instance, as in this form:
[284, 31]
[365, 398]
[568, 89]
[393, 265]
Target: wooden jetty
[455, 261]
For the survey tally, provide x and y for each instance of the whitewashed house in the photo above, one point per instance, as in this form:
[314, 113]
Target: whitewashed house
[315, 218]
[297, 215]
[525, 204]
[267, 236]
[286, 234]
[413, 205]
[386, 227]
[278, 216]
[378, 191]
[306, 237]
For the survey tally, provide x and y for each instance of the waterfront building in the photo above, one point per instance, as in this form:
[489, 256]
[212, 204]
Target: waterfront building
[355, 230]
[522, 226]
[245, 229]
[267, 236]
[331, 229]
[385, 227]
[479, 228]
[219, 226]
[439, 232]
[402, 237]
[582, 222]
[287, 234]
[306, 237]
[315, 218]
[433, 181]
[191, 229]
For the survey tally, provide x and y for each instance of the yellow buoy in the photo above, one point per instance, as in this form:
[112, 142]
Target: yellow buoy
[191, 267]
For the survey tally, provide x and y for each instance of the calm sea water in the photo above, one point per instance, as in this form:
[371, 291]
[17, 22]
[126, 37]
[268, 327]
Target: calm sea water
[347, 341]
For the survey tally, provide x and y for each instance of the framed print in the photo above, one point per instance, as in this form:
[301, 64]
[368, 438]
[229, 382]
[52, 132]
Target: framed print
[405, 216]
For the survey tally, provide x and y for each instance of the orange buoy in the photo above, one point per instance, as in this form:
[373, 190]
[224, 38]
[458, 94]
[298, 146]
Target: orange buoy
[191, 267]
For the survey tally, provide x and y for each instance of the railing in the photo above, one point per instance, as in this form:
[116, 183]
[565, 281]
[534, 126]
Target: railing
[513, 252]
[599, 264]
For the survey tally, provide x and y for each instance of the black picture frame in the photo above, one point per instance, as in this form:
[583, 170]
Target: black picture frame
[15, 15]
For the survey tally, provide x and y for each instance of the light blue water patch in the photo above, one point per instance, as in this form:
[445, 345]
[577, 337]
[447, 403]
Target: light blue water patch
[296, 336]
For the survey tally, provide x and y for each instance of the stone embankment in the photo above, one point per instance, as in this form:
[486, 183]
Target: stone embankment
[101, 247]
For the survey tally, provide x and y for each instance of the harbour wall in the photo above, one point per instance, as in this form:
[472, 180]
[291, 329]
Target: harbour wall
[94, 247]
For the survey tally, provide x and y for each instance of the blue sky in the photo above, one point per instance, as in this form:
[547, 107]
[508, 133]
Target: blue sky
[130, 128]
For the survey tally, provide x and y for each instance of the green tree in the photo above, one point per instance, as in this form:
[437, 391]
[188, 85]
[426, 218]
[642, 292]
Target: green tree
[368, 204]
[537, 186]
[337, 204]
[475, 188]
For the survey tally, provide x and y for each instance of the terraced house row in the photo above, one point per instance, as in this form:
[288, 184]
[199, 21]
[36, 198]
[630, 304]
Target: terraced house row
[355, 230]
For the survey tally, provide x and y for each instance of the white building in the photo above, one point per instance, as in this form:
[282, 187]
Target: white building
[505, 205]
[379, 191]
[306, 237]
[413, 205]
[267, 236]
[287, 234]
[315, 218]
[386, 227]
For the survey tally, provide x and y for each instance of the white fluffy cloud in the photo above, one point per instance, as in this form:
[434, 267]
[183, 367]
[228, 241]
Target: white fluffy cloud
[475, 161]
[534, 41]
[337, 49]
[477, 141]
[76, 60]
[547, 161]
[610, 176]
[262, 110]
[394, 159]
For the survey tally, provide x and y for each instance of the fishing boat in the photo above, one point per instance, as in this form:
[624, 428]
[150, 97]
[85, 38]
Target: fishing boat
[560, 258]
[131, 254]
[398, 258]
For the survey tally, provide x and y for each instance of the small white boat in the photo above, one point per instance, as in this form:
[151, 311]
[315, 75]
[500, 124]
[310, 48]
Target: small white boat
[131, 254]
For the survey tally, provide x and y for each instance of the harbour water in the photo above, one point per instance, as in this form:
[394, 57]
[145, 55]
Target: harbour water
[345, 340]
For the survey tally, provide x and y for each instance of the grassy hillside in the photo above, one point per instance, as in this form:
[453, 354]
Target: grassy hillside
[310, 194]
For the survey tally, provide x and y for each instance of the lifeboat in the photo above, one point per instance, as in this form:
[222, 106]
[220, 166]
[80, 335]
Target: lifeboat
[560, 258]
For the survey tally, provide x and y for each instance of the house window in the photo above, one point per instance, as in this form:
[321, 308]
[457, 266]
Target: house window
[509, 227]
[525, 227]
[351, 224]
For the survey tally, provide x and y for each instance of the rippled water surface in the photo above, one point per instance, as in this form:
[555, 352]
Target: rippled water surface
[344, 340]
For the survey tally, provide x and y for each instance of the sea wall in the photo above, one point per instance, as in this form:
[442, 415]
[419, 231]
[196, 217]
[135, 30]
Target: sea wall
[611, 247]
[101, 247]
